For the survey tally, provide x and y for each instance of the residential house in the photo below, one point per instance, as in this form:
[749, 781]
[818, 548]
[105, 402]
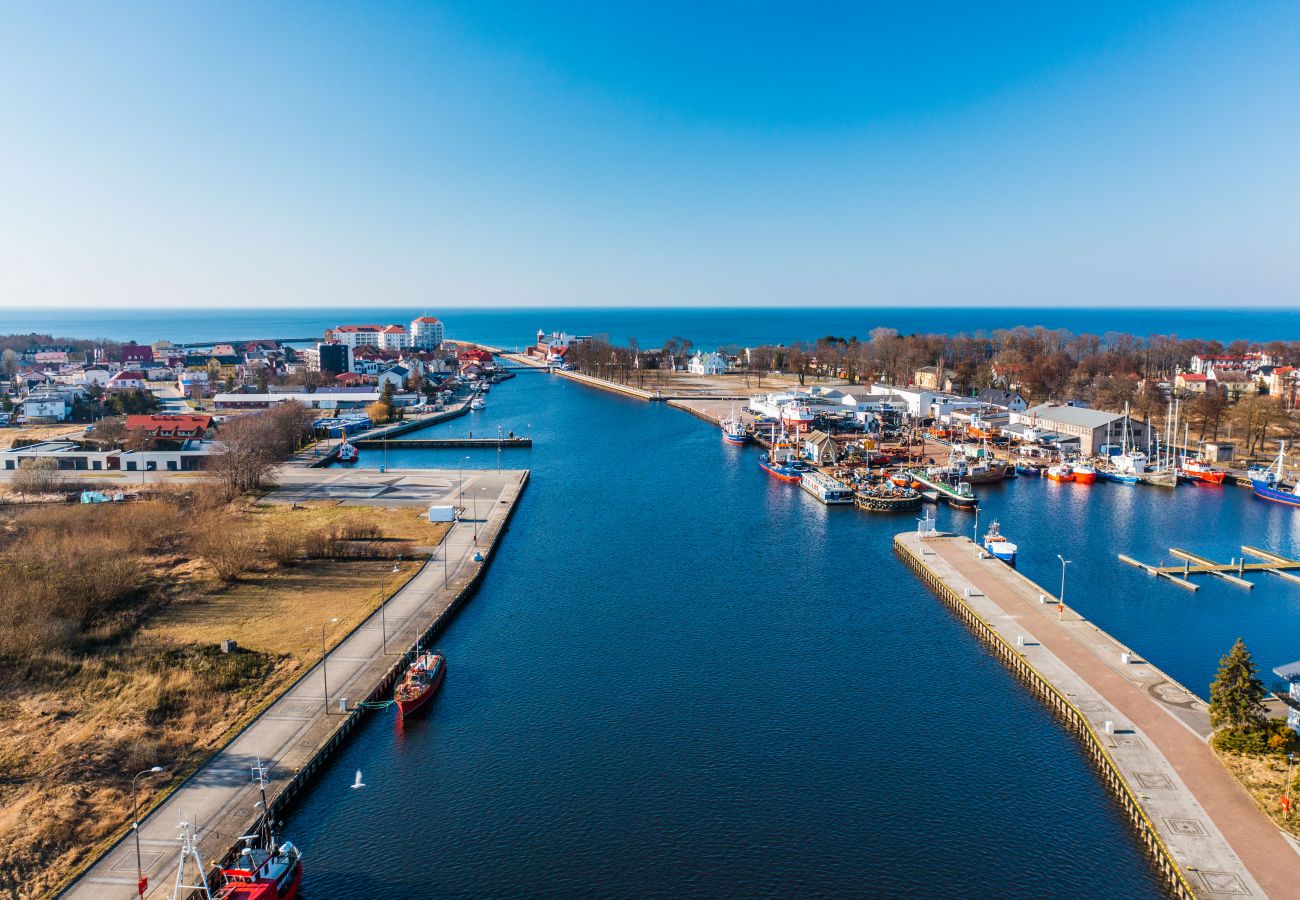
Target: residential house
[707, 364]
[126, 380]
[933, 378]
[178, 427]
[1011, 401]
[47, 407]
[1194, 383]
[136, 355]
[397, 376]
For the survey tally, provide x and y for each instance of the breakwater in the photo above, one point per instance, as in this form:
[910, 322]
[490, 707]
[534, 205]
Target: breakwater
[1144, 731]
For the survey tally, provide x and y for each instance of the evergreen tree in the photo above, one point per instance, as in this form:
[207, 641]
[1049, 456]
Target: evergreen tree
[1236, 694]
[386, 395]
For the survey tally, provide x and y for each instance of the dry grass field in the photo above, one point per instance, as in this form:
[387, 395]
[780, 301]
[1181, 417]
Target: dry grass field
[136, 678]
[1264, 778]
[39, 433]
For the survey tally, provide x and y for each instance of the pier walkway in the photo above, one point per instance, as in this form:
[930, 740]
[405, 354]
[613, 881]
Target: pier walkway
[1147, 733]
[295, 735]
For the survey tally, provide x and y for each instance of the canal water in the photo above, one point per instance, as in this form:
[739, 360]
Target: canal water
[682, 678]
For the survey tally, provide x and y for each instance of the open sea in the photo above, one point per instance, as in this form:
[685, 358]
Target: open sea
[683, 678]
[705, 328]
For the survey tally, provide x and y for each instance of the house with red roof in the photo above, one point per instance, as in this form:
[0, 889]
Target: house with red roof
[174, 427]
[126, 380]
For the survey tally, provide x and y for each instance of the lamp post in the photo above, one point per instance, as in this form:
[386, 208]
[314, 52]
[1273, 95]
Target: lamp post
[1064, 562]
[383, 600]
[324, 669]
[977, 527]
[140, 883]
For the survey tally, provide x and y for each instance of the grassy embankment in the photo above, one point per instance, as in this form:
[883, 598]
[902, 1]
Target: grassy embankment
[1264, 777]
[109, 621]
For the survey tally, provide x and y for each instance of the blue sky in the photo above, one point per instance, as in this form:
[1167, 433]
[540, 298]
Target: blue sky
[645, 154]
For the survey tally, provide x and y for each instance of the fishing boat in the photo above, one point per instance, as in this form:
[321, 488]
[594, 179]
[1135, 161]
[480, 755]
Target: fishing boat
[1268, 484]
[999, 546]
[485, 386]
[1201, 470]
[263, 870]
[1060, 472]
[780, 470]
[478, 403]
[1117, 476]
[781, 461]
[733, 429]
[420, 683]
[1084, 472]
[348, 453]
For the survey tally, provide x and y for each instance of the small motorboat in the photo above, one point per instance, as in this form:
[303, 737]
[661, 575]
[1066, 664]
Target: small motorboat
[1061, 472]
[998, 546]
[348, 453]
[478, 403]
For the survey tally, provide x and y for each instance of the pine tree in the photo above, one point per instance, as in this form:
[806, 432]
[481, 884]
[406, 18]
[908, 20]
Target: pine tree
[1236, 694]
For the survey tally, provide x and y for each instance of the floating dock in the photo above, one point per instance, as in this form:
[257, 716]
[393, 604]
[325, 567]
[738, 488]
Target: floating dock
[1147, 733]
[1233, 572]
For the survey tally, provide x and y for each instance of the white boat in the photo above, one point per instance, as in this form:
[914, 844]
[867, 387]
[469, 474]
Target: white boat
[796, 418]
[733, 429]
[478, 403]
[999, 546]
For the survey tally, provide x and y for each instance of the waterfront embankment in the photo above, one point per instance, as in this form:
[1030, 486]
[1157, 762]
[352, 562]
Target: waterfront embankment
[298, 732]
[1147, 734]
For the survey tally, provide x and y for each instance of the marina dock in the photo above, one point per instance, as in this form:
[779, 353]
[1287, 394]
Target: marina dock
[296, 735]
[1233, 572]
[1147, 733]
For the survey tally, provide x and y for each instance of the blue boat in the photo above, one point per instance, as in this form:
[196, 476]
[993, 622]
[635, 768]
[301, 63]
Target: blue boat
[781, 470]
[1117, 477]
[1267, 483]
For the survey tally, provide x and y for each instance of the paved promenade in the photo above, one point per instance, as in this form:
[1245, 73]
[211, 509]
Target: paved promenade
[290, 734]
[1157, 734]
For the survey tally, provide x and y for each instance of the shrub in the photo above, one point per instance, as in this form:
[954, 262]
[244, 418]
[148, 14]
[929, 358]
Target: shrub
[226, 545]
[38, 476]
[284, 546]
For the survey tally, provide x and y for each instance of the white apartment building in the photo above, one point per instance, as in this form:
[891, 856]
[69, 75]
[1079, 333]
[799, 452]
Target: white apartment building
[425, 333]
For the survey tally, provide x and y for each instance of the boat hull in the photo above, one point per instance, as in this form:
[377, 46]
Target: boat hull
[780, 473]
[407, 706]
[1286, 498]
[1057, 476]
[1085, 477]
[735, 438]
[1215, 478]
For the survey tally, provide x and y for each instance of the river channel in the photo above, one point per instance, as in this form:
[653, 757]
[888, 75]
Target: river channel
[681, 677]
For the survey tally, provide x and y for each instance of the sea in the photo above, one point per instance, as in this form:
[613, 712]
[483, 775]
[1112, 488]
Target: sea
[682, 678]
[704, 327]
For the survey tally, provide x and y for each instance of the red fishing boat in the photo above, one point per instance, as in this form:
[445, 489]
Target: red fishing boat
[1198, 469]
[421, 682]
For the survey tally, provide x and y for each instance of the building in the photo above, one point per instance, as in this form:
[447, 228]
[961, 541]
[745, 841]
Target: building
[1008, 400]
[1194, 382]
[334, 358]
[179, 427]
[329, 399]
[1092, 427]
[1248, 362]
[136, 354]
[933, 378]
[1291, 674]
[426, 333]
[707, 364]
[70, 455]
[554, 346]
[46, 407]
[127, 380]
[396, 376]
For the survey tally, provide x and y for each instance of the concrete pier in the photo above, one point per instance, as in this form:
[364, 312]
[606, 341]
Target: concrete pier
[1147, 733]
[295, 736]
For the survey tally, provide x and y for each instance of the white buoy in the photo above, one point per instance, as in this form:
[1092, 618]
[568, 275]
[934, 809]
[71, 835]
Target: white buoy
[360, 784]
[1110, 729]
[1020, 641]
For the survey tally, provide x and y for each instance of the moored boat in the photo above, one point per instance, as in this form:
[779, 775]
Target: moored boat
[1084, 472]
[1060, 472]
[796, 418]
[1267, 484]
[348, 453]
[420, 683]
[999, 546]
[478, 403]
[782, 471]
[1201, 470]
[733, 429]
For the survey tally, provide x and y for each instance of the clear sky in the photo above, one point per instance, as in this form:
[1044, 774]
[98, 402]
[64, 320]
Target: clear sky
[643, 153]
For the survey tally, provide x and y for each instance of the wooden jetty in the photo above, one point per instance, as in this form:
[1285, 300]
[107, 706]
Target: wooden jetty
[1196, 564]
[442, 443]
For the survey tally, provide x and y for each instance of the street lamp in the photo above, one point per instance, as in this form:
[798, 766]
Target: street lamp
[324, 670]
[140, 883]
[383, 600]
[1064, 562]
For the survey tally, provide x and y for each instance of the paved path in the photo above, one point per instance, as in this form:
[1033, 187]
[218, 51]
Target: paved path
[220, 795]
[1225, 844]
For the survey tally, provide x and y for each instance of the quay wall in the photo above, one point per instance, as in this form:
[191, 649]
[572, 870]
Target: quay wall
[1063, 708]
[601, 383]
[279, 796]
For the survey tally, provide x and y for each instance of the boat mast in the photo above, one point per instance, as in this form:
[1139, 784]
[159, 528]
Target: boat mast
[190, 851]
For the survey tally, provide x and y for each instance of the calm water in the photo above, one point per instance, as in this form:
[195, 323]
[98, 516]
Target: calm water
[683, 678]
[705, 327]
